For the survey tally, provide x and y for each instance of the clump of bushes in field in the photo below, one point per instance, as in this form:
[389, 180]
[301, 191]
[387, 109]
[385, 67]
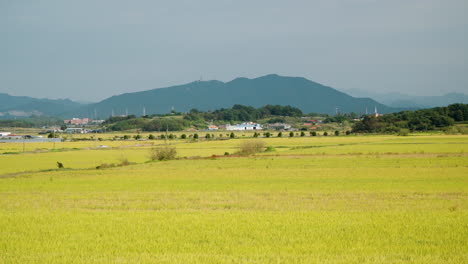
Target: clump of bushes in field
[250, 147]
[403, 132]
[123, 162]
[163, 153]
[270, 149]
[454, 130]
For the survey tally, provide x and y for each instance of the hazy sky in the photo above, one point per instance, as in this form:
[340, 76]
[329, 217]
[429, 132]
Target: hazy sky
[92, 49]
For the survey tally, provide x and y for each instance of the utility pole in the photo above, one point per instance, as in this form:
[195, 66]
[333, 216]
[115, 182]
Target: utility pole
[54, 138]
[167, 129]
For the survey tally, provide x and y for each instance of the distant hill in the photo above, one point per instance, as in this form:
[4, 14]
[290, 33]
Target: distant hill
[299, 92]
[24, 106]
[411, 101]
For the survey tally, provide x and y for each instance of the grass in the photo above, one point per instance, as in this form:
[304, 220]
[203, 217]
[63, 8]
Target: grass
[380, 199]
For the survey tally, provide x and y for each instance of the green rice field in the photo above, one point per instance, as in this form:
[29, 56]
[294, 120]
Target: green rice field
[346, 199]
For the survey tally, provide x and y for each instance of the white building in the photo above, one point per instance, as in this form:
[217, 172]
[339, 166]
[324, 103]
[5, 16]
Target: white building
[244, 126]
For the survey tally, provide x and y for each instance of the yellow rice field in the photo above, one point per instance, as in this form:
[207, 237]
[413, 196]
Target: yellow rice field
[356, 199]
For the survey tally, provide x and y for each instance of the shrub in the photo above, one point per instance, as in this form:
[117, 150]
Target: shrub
[163, 153]
[463, 130]
[337, 133]
[348, 132]
[453, 130]
[53, 135]
[183, 136]
[280, 134]
[126, 137]
[226, 153]
[403, 132]
[270, 149]
[249, 147]
[60, 165]
[151, 137]
[325, 133]
[207, 136]
[302, 134]
[124, 162]
[255, 135]
[105, 166]
[232, 135]
[313, 133]
[291, 134]
[267, 134]
[195, 136]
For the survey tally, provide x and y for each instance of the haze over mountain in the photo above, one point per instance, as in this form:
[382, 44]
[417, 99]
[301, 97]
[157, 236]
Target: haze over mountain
[400, 100]
[299, 92]
[23, 106]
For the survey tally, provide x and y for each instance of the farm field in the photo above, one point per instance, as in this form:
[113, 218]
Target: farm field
[348, 199]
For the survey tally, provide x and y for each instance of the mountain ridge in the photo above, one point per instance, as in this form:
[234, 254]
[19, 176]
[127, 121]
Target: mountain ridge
[22, 106]
[299, 92]
[400, 100]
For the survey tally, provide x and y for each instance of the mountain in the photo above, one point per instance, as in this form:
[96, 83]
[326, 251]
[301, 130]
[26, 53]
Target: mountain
[273, 89]
[404, 100]
[24, 106]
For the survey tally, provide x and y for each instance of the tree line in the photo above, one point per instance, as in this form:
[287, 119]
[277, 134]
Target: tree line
[419, 120]
[244, 113]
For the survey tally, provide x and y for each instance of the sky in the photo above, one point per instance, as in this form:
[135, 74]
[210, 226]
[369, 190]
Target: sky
[89, 50]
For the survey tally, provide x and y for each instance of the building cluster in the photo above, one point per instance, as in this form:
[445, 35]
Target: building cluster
[244, 126]
[82, 121]
[77, 121]
[9, 135]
